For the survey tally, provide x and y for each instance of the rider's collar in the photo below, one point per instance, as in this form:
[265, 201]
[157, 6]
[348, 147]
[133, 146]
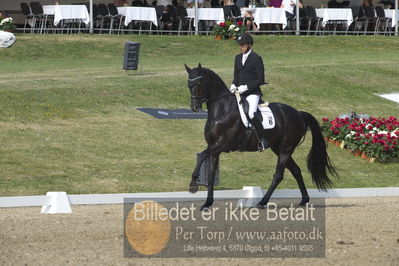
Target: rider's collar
[248, 52]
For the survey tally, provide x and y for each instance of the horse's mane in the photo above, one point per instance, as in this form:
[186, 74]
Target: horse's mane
[214, 77]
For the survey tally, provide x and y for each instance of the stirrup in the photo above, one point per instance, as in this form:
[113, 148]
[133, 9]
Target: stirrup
[263, 145]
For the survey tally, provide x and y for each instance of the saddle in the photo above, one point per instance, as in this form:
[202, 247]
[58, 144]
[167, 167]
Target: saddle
[264, 114]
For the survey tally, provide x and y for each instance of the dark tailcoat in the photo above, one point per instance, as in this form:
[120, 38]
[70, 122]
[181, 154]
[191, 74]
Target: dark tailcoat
[252, 73]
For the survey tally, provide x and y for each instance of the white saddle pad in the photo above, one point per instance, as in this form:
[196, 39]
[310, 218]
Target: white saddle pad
[267, 114]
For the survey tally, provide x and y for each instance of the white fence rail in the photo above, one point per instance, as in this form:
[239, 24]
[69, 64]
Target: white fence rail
[247, 193]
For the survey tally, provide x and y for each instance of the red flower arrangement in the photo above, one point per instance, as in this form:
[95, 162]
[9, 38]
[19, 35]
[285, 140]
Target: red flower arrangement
[228, 29]
[375, 137]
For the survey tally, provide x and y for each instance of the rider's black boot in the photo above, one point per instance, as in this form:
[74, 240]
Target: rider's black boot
[259, 131]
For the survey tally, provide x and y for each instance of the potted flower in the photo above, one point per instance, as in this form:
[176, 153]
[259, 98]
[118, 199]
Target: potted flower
[7, 24]
[220, 31]
[236, 30]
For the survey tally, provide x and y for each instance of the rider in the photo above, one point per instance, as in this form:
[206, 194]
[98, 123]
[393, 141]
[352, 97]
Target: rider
[249, 75]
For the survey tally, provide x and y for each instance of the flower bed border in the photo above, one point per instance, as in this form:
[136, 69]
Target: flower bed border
[356, 153]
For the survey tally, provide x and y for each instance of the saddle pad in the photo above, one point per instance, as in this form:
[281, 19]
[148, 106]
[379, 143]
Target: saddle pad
[268, 121]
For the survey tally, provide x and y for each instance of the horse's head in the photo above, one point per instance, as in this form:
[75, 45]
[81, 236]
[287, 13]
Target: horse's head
[196, 85]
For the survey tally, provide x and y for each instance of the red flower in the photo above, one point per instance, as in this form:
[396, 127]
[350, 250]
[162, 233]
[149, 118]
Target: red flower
[336, 132]
[239, 23]
[332, 128]
[390, 128]
[366, 143]
[222, 24]
[325, 119]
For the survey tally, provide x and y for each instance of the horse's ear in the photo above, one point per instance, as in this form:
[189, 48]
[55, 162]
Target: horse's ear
[199, 67]
[187, 69]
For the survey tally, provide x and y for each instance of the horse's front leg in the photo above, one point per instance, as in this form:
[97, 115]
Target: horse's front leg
[214, 162]
[193, 184]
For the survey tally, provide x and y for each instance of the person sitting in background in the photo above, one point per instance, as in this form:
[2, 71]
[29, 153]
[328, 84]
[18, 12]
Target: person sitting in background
[120, 3]
[137, 3]
[368, 3]
[241, 3]
[388, 4]
[228, 2]
[215, 4]
[275, 3]
[288, 6]
[191, 2]
[249, 21]
[164, 3]
[333, 4]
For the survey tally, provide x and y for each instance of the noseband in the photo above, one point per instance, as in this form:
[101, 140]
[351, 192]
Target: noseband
[201, 98]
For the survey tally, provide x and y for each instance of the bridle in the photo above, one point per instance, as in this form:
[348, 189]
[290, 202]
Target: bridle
[195, 97]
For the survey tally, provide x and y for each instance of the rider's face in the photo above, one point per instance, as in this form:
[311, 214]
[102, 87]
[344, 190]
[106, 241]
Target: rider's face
[244, 48]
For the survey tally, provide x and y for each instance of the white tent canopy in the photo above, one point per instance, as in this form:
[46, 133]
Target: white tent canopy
[13, 6]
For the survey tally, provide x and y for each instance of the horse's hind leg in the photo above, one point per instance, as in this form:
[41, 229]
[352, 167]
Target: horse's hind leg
[296, 172]
[193, 184]
[277, 178]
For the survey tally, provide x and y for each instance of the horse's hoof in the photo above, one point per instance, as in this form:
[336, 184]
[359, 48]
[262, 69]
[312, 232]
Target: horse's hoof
[260, 206]
[204, 208]
[193, 188]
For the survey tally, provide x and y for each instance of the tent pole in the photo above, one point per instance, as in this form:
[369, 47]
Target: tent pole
[395, 17]
[196, 17]
[91, 16]
[297, 19]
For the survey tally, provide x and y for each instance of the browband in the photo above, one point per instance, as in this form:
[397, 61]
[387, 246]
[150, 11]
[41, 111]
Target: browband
[195, 78]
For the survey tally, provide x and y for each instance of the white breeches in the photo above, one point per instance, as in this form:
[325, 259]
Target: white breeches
[253, 101]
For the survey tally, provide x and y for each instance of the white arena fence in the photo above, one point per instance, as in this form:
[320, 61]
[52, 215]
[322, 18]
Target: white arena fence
[248, 196]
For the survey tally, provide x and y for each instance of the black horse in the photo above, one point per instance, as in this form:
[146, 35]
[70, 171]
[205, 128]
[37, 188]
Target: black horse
[224, 132]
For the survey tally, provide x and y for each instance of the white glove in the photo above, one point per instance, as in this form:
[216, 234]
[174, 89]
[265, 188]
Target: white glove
[233, 88]
[242, 88]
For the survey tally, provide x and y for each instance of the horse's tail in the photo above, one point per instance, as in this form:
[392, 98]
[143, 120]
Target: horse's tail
[318, 159]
